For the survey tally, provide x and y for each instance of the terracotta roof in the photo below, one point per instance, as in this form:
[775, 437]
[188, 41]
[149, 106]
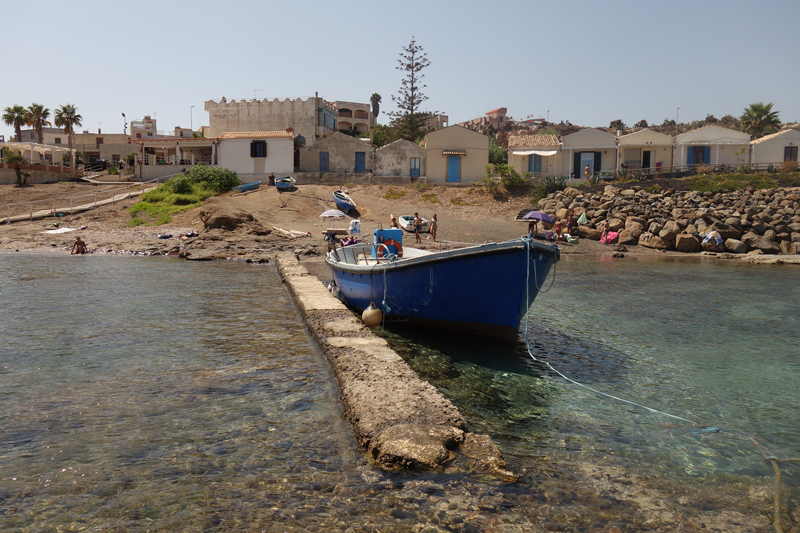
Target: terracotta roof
[256, 135]
[454, 152]
[526, 139]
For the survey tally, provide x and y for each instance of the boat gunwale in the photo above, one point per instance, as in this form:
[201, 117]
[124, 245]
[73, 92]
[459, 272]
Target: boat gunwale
[445, 256]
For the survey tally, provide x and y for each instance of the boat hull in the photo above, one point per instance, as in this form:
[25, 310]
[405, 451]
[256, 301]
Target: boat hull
[248, 186]
[343, 202]
[285, 183]
[482, 290]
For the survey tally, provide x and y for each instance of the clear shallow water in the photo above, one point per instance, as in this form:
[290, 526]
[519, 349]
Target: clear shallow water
[155, 394]
[714, 343]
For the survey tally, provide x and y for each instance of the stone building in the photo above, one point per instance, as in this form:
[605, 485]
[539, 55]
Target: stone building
[308, 119]
[337, 153]
[400, 159]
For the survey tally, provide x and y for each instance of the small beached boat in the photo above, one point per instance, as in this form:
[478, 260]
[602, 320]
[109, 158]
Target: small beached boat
[343, 202]
[285, 183]
[482, 290]
[248, 186]
[407, 223]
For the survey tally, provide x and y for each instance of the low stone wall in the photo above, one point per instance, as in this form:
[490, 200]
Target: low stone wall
[746, 221]
[335, 178]
[400, 419]
[8, 176]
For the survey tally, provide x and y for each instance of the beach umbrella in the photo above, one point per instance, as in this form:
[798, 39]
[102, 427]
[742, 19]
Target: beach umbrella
[332, 213]
[538, 215]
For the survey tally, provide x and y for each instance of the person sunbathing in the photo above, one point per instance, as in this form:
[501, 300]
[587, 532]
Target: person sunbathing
[79, 247]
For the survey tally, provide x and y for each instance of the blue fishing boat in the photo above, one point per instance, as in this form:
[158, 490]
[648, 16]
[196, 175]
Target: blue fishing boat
[248, 186]
[285, 183]
[482, 290]
[343, 202]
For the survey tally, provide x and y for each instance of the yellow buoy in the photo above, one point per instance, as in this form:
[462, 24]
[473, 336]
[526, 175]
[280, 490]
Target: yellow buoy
[372, 315]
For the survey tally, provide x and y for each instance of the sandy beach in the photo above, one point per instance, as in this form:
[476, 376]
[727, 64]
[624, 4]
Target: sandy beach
[466, 214]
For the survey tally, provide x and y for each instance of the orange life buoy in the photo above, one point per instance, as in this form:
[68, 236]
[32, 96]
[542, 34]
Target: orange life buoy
[390, 242]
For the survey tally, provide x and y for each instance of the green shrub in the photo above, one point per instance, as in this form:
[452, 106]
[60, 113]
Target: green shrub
[653, 188]
[421, 187]
[491, 186]
[732, 182]
[113, 170]
[431, 197]
[549, 185]
[217, 179]
[132, 223]
[457, 200]
[181, 184]
[392, 194]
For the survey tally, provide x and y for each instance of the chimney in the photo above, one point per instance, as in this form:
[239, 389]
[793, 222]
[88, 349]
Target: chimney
[99, 131]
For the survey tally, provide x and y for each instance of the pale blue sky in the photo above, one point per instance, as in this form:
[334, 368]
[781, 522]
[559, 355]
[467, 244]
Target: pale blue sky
[588, 62]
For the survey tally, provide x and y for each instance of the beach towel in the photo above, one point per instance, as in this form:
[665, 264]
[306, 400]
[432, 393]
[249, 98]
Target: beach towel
[610, 237]
[582, 219]
[355, 227]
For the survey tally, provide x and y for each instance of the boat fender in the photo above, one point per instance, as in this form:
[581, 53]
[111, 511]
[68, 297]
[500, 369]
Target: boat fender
[390, 242]
[371, 316]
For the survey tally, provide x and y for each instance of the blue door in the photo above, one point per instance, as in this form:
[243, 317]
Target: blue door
[453, 168]
[537, 163]
[360, 161]
[323, 161]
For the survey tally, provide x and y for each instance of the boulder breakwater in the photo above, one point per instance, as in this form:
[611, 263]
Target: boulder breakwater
[747, 221]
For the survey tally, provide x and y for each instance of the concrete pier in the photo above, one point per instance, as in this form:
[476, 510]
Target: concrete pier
[400, 419]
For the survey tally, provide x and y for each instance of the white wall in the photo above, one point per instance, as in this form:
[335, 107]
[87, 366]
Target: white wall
[234, 154]
[771, 149]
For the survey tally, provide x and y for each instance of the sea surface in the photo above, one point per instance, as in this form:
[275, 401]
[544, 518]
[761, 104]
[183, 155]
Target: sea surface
[153, 394]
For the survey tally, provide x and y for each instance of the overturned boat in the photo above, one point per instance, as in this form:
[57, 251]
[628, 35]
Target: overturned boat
[482, 290]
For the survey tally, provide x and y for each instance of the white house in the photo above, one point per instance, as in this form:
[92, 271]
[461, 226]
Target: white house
[589, 146]
[537, 154]
[711, 145]
[645, 149]
[253, 155]
[775, 148]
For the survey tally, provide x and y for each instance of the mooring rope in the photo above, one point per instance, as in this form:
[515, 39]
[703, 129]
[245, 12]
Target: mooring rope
[528, 241]
[771, 458]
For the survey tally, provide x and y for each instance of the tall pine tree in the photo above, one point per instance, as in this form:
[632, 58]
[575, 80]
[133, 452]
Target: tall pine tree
[408, 119]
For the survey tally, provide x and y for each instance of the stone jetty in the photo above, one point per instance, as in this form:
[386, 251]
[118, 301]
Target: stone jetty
[400, 419]
[747, 221]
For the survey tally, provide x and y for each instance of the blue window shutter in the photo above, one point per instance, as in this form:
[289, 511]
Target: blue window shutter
[690, 155]
[597, 156]
[576, 164]
[707, 155]
[537, 163]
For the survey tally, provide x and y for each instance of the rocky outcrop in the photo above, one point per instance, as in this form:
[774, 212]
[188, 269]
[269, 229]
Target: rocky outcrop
[746, 220]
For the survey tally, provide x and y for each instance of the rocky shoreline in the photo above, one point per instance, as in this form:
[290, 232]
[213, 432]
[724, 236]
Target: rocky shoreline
[747, 222]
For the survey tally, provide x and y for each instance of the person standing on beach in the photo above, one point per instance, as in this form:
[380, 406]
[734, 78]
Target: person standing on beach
[604, 235]
[271, 180]
[557, 230]
[417, 227]
[570, 224]
[434, 226]
[586, 172]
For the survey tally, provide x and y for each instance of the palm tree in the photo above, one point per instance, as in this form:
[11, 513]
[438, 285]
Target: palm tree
[37, 116]
[376, 104]
[67, 117]
[758, 118]
[16, 116]
[17, 160]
